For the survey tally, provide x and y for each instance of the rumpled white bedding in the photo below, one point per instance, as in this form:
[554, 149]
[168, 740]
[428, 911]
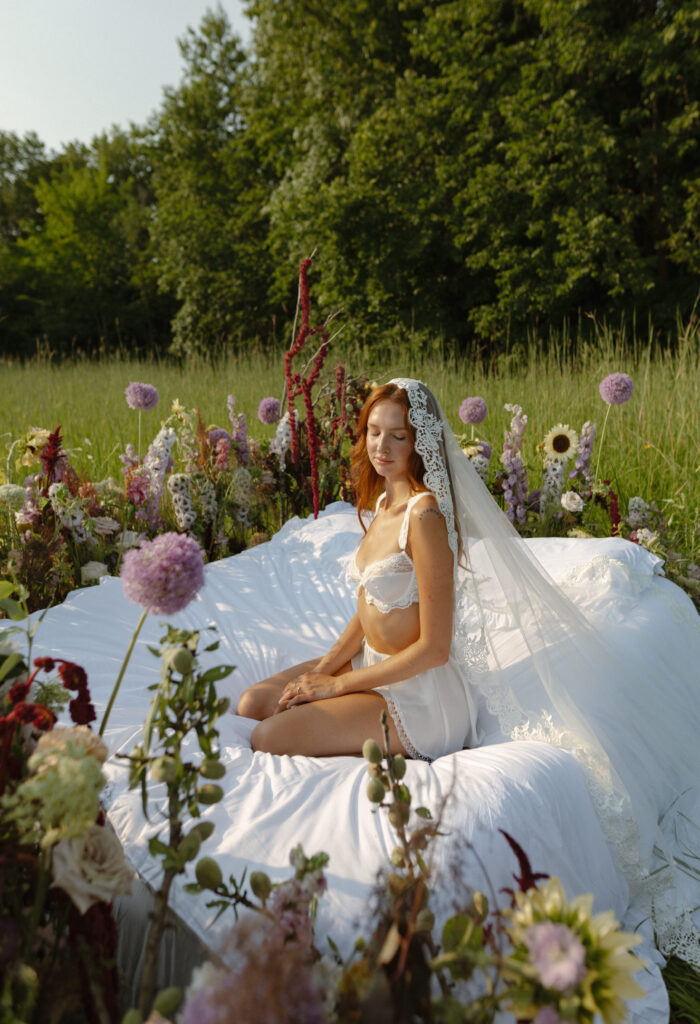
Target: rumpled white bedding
[286, 601]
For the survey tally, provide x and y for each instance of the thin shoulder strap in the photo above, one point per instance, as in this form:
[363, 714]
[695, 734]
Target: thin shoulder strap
[380, 501]
[403, 532]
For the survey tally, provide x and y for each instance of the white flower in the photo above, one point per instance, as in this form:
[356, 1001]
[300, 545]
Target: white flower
[57, 739]
[572, 501]
[104, 525]
[12, 495]
[92, 571]
[645, 537]
[637, 513]
[91, 868]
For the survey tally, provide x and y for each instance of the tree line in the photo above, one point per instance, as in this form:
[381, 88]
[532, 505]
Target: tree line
[466, 169]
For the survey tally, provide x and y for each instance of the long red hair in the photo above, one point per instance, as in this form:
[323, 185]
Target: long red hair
[366, 481]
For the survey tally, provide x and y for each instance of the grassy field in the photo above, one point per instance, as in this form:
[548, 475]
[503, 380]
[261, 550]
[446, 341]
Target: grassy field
[650, 448]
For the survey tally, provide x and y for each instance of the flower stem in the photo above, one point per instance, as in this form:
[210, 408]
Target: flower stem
[122, 670]
[42, 886]
[138, 450]
[600, 443]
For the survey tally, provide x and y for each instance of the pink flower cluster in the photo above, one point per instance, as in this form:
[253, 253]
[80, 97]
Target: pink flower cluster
[515, 481]
[141, 396]
[165, 574]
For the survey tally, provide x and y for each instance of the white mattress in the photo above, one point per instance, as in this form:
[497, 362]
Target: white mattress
[287, 600]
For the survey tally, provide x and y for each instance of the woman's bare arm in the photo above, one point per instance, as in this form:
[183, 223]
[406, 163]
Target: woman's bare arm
[343, 650]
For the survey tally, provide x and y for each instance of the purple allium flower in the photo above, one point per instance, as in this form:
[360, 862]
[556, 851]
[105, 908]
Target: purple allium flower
[556, 954]
[616, 388]
[141, 396]
[269, 410]
[473, 410]
[163, 575]
[217, 434]
[485, 449]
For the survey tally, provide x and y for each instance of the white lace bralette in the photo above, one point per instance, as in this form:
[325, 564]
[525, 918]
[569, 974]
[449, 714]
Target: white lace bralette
[390, 582]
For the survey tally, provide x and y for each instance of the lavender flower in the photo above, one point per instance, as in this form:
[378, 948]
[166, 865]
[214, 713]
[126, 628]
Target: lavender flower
[556, 954]
[515, 479]
[473, 410]
[582, 462]
[269, 410]
[129, 459]
[616, 388]
[141, 396]
[222, 452]
[164, 574]
[239, 433]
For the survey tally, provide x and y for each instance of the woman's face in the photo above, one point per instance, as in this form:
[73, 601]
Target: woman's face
[389, 441]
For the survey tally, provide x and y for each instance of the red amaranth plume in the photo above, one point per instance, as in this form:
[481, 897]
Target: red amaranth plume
[50, 455]
[527, 879]
[298, 385]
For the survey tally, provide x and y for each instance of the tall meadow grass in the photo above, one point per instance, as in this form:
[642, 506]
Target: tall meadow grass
[651, 446]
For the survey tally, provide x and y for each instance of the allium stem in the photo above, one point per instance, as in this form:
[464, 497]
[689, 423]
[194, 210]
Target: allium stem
[600, 443]
[122, 670]
[138, 450]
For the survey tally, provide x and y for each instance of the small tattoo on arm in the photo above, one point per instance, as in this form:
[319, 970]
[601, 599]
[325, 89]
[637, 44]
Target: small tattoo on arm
[429, 512]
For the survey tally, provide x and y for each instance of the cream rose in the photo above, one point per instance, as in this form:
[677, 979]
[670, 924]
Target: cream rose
[91, 868]
[81, 735]
[572, 502]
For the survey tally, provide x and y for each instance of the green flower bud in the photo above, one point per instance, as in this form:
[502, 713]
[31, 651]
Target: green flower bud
[164, 769]
[189, 847]
[425, 920]
[210, 793]
[375, 771]
[222, 705]
[375, 790]
[399, 765]
[399, 813]
[132, 1016]
[167, 1001]
[179, 659]
[204, 829]
[371, 751]
[208, 873]
[260, 884]
[212, 769]
[480, 906]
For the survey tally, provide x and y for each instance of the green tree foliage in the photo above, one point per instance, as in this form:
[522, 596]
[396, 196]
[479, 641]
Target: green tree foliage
[211, 191]
[465, 169]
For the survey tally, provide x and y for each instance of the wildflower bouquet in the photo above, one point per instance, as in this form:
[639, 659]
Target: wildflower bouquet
[60, 865]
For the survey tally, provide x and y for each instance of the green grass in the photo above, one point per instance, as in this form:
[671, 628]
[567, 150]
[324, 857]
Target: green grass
[650, 446]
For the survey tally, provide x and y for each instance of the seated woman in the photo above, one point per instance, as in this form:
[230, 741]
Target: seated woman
[396, 653]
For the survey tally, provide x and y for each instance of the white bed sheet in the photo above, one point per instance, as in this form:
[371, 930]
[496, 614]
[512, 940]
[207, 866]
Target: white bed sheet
[287, 600]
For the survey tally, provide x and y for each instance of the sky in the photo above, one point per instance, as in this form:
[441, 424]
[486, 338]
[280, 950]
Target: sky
[70, 69]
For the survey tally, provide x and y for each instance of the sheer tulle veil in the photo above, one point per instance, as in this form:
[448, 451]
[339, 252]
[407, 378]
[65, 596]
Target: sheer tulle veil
[548, 673]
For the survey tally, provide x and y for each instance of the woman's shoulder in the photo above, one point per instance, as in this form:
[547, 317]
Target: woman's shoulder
[424, 513]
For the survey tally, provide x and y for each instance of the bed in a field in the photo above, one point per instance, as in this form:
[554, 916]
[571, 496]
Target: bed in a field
[286, 601]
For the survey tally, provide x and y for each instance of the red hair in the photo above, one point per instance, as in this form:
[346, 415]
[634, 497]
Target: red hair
[367, 483]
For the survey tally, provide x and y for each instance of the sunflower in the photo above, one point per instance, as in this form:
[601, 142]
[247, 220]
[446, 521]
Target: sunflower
[560, 443]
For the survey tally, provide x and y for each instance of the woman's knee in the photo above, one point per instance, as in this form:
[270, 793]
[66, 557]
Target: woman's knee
[266, 738]
[252, 704]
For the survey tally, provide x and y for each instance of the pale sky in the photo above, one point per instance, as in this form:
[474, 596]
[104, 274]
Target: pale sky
[70, 69]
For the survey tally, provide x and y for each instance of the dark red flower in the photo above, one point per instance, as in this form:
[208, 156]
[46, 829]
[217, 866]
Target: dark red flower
[81, 711]
[50, 456]
[73, 676]
[19, 692]
[42, 718]
[48, 664]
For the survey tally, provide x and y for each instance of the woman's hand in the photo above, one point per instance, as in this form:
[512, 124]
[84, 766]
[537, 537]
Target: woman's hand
[309, 686]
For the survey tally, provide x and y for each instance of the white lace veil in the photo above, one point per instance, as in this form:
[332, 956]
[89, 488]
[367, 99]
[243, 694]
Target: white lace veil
[546, 673]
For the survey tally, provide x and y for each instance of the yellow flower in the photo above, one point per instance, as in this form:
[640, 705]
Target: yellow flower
[34, 445]
[177, 407]
[560, 443]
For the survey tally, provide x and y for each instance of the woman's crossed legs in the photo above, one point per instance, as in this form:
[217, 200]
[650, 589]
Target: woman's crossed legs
[320, 728]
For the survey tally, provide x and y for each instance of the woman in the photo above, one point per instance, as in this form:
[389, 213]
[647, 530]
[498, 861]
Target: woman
[396, 653]
[484, 617]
